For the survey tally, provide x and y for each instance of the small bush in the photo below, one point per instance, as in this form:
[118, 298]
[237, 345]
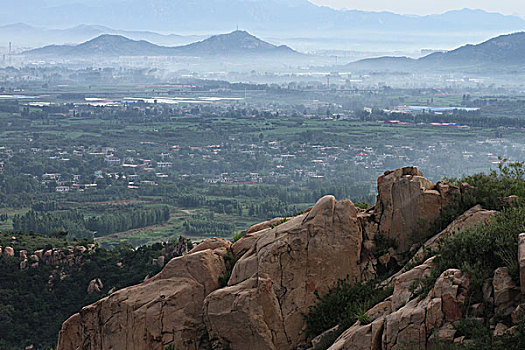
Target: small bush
[238, 236]
[363, 205]
[343, 305]
[491, 189]
[282, 221]
[229, 261]
[382, 244]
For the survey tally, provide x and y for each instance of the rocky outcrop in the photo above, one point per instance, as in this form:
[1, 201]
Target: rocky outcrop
[70, 256]
[95, 286]
[506, 292]
[264, 225]
[415, 324]
[279, 266]
[472, 218]
[9, 251]
[273, 283]
[403, 283]
[162, 311]
[170, 251]
[407, 203]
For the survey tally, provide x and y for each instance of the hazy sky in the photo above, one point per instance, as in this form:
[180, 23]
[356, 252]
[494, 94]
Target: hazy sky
[516, 7]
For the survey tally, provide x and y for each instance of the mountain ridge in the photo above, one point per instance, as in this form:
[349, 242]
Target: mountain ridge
[24, 35]
[219, 15]
[234, 43]
[503, 50]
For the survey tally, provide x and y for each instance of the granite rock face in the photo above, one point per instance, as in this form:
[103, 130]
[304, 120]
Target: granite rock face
[164, 310]
[278, 271]
[416, 323]
[407, 203]
[279, 266]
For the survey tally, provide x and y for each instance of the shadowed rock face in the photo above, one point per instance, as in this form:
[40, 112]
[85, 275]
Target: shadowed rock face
[164, 310]
[273, 283]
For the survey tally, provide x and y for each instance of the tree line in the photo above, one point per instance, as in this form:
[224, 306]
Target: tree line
[78, 226]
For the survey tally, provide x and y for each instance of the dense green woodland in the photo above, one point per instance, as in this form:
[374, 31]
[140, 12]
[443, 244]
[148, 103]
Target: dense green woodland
[77, 226]
[33, 305]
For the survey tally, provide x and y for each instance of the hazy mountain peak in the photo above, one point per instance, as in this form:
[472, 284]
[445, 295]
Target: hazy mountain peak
[262, 15]
[235, 43]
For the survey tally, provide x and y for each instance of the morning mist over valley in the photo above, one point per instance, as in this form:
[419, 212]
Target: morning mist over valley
[262, 174]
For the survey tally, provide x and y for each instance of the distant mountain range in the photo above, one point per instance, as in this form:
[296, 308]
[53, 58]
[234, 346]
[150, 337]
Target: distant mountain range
[262, 16]
[237, 43]
[502, 51]
[24, 35]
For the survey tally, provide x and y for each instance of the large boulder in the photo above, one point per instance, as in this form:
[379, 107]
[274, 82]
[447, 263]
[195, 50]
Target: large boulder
[9, 251]
[278, 272]
[162, 311]
[404, 282]
[407, 203]
[506, 292]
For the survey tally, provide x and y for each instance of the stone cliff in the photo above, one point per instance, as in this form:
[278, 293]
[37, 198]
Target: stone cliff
[278, 267]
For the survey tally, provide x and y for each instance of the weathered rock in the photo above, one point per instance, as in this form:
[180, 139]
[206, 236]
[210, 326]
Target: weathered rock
[513, 331]
[500, 330]
[160, 261]
[361, 337]
[407, 203]
[459, 340]
[506, 293]
[22, 255]
[219, 245]
[446, 333]
[39, 253]
[165, 310]
[518, 314]
[95, 286]
[403, 282]
[280, 265]
[325, 339]
[284, 266]
[246, 315]
[171, 251]
[418, 320]
[415, 324]
[264, 225]
[470, 219]
[9, 251]
[521, 259]
[364, 337]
